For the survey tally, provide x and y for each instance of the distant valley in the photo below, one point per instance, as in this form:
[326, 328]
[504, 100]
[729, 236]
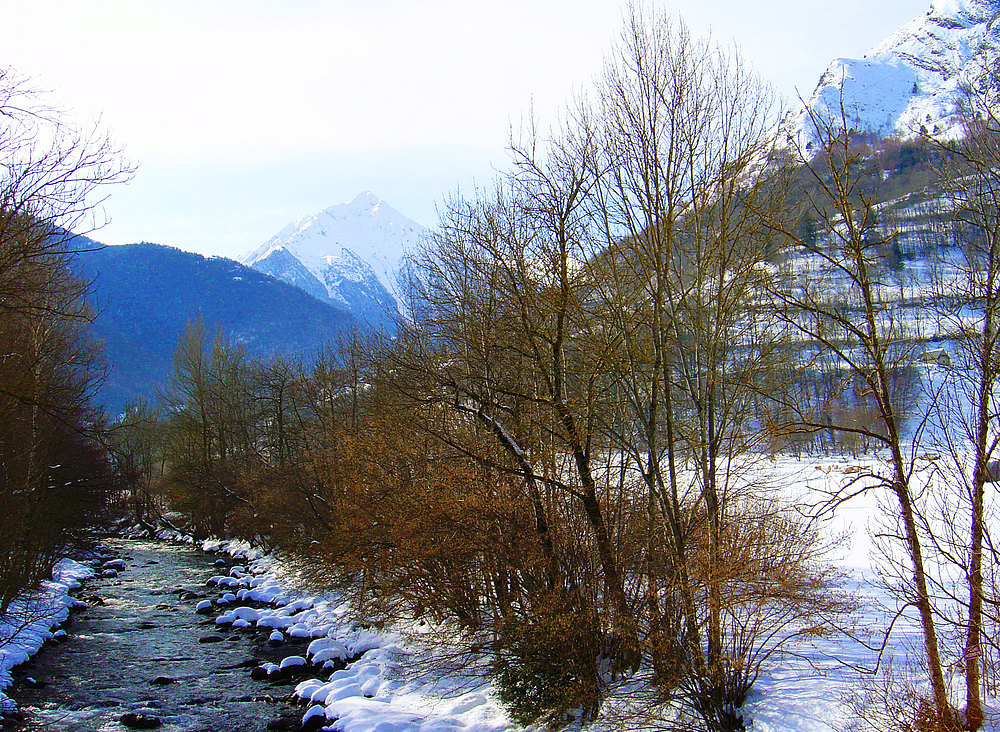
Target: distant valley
[143, 295]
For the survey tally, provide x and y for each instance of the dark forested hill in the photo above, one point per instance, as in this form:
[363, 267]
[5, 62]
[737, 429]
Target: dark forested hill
[145, 293]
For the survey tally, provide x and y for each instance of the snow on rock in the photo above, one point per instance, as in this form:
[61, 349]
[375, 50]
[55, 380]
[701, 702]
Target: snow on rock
[291, 662]
[314, 712]
[910, 81]
[275, 622]
[30, 621]
[371, 692]
[246, 613]
[305, 689]
[327, 649]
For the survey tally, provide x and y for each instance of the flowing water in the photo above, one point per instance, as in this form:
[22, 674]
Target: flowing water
[140, 627]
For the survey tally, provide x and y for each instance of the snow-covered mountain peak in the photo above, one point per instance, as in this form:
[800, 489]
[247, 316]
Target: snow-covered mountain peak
[968, 12]
[366, 201]
[364, 240]
[911, 81]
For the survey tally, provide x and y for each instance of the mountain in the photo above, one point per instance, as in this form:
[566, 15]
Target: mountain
[145, 293]
[351, 255]
[910, 81]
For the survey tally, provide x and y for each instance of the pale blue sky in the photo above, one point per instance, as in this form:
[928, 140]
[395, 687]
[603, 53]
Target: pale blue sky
[244, 114]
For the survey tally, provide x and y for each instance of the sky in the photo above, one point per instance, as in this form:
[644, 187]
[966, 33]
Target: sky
[243, 115]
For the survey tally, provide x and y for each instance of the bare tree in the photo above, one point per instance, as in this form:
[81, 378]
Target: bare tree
[515, 348]
[134, 444]
[684, 190]
[841, 304]
[967, 302]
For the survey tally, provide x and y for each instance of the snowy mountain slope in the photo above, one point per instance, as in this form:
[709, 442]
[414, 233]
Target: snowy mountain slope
[911, 80]
[350, 254]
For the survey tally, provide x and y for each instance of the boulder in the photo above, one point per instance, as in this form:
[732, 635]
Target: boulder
[135, 720]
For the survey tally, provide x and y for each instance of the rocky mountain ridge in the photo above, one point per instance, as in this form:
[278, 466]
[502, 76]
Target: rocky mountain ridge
[910, 83]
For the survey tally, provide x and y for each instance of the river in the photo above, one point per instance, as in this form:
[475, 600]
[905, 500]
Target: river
[139, 627]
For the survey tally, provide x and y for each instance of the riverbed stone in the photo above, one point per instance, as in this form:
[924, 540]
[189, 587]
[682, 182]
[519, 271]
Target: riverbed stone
[313, 720]
[211, 639]
[137, 720]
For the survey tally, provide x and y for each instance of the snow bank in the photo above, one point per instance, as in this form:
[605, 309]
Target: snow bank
[372, 692]
[366, 678]
[31, 621]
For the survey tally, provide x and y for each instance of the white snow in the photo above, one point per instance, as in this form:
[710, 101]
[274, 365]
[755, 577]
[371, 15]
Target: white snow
[31, 620]
[373, 692]
[350, 241]
[911, 80]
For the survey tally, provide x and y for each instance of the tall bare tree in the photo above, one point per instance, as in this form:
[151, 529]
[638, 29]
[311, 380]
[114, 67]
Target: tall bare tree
[684, 189]
[967, 301]
[840, 302]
